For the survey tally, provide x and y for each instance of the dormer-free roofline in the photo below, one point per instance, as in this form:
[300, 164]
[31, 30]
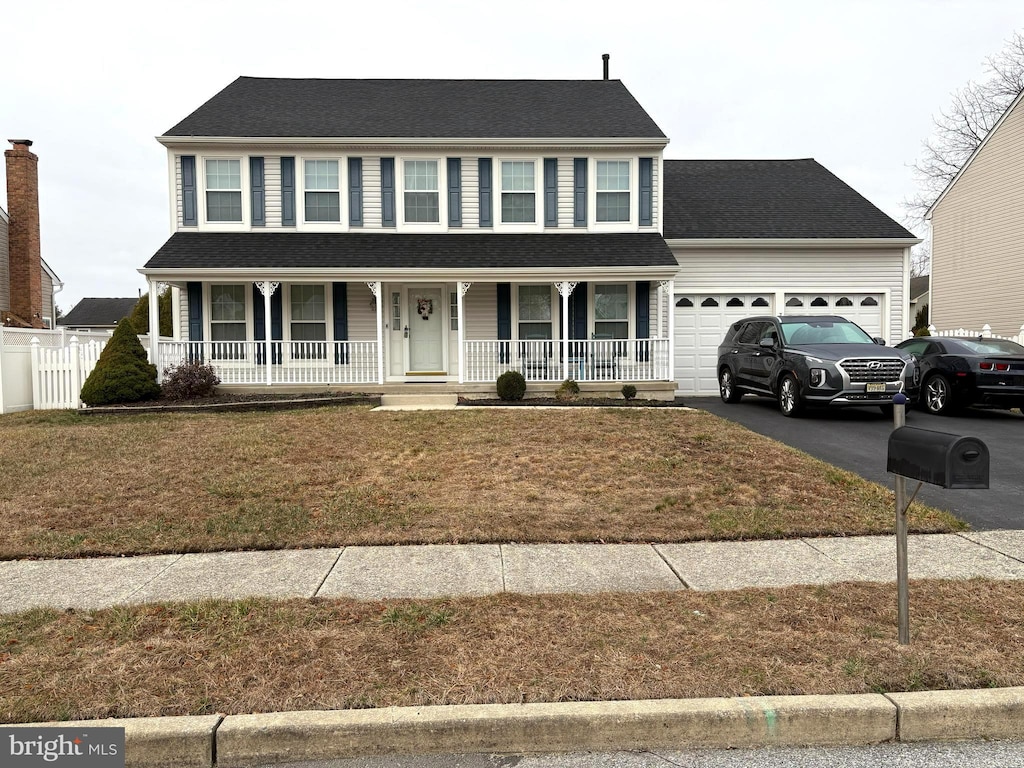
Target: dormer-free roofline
[406, 142]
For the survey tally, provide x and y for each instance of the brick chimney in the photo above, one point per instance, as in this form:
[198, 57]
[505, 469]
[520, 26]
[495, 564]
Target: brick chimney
[23, 208]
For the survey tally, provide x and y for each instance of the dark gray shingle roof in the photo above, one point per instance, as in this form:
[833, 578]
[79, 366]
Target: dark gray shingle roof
[90, 312]
[262, 250]
[767, 199]
[282, 107]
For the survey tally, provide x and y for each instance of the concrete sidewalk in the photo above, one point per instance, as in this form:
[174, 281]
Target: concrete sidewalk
[428, 571]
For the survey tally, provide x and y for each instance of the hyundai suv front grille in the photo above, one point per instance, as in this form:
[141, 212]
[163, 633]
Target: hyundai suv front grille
[864, 370]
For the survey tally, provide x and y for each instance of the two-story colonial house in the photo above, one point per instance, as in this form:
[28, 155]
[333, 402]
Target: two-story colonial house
[385, 232]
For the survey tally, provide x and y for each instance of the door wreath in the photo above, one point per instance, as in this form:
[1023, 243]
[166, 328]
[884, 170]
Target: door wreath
[425, 307]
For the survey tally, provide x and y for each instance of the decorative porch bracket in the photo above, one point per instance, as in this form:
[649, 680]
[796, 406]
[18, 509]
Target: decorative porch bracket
[565, 289]
[462, 287]
[267, 288]
[375, 288]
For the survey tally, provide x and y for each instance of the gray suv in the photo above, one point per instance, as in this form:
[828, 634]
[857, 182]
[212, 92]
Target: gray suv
[812, 360]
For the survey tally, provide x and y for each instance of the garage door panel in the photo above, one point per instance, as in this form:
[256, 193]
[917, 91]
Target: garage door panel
[864, 309]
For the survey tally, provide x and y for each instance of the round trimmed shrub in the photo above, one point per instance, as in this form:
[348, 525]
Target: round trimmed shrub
[628, 391]
[189, 380]
[122, 374]
[511, 385]
[567, 390]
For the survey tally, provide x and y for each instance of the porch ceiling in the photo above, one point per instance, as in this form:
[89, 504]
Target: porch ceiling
[411, 256]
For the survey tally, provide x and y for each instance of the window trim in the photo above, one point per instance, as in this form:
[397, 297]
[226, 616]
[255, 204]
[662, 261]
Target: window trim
[633, 223]
[286, 321]
[342, 224]
[537, 225]
[442, 195]
[630, 306]
[208, 320]
[202, 214]
[552, 297]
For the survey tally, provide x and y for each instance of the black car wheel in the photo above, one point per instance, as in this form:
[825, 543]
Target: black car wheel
[937, 395]
[790, 402]
[727, 387]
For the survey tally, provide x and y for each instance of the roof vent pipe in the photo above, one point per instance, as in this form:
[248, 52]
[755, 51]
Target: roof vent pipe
[605, 57]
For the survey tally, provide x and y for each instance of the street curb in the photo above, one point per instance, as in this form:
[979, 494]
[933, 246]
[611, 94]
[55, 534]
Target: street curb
[243, 740]
[996, 713]
[156, 742]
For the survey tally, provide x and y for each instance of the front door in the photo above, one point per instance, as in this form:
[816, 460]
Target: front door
[426, 330]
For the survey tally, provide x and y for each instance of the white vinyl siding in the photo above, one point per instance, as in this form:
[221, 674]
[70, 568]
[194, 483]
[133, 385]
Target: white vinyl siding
[179, 199]
[481, 314]
[654, 194]
[272, 193]
[372, 217]
[565, 192]
[183, 314]
[977, 231]
[362, 312]
[470, 192]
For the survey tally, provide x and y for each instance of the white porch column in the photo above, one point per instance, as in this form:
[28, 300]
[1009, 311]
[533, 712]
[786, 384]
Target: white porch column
[267, 289]
[671, 330]
[565, 290]
[154, 329]
[461, 289]
[375, 289]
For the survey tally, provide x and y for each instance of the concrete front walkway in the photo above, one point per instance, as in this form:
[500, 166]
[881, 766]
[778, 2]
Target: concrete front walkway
[428, 571]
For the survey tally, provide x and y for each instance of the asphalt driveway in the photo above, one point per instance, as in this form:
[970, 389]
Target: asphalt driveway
[856, 439]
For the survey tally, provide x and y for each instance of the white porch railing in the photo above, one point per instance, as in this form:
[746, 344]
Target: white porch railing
[292, 362]
[588, 360]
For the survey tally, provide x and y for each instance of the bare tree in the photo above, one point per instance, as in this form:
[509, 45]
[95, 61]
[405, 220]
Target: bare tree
[961, 127]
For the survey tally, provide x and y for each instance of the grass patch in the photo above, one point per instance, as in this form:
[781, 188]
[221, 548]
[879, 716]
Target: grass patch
[76, 486]
[260, 655]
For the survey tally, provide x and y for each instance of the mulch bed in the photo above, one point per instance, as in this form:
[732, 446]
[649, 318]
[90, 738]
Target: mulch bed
[238, 402]
[580, 402]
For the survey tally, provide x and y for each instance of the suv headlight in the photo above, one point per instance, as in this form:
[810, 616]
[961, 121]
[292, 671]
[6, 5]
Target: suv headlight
[818, 377]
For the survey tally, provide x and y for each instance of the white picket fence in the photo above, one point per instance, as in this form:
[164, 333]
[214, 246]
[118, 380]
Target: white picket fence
[58, 374]
[964, 333]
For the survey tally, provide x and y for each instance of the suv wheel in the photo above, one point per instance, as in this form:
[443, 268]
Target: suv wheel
[790, 402]
[727, 387]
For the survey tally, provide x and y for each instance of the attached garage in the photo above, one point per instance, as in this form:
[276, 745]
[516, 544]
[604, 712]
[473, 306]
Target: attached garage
[769, 237]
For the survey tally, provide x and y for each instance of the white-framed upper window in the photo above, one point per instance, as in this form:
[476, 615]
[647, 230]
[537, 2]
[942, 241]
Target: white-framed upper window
[534, 311]
[422, 195]
[223, 189]
[308, 328]
[613, 191]
[322, 191]
[518, 179]
[611, 311]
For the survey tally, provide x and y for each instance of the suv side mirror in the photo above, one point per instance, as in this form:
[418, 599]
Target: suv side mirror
[878, 340]
[767, 343]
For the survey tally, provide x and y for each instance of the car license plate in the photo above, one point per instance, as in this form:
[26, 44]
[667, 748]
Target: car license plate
[875, 386]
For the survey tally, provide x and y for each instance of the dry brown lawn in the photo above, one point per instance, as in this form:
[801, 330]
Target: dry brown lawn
[258, 655]
[75, 486]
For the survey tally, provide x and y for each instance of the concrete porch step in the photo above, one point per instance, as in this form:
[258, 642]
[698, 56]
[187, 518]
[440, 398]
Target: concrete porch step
[418, 402]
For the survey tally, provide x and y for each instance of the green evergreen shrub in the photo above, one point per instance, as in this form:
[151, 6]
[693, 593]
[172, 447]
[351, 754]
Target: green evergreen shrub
[511, 385]
[628, 391]
[189, 380]
[122, 374]
[140, 313]
[567, 390]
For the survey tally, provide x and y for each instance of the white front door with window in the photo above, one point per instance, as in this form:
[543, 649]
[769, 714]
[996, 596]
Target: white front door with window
[425, 345]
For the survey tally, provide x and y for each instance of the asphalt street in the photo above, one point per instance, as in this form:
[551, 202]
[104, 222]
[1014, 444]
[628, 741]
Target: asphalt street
[991, 754]
[856, 439]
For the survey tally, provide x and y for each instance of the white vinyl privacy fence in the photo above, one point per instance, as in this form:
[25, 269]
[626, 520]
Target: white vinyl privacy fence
[985, 333]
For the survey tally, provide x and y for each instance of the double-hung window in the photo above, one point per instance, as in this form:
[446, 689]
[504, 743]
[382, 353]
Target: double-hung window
[534, 312]
[308, 322]
[613, 190]
[518, 192]
[611, 311]
[223, 190]
[322, 193]
[421, 192]
[227, 321]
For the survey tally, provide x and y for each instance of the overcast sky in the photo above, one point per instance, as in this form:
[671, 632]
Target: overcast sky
[853, 84]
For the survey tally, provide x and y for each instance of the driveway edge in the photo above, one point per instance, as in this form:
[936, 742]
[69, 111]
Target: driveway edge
[995, 713]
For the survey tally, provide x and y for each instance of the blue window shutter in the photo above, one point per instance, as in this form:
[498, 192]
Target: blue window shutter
[189, 216]
[504, 320]
[643, 318]
[195, 311]
[355, 191]
[646, 191]
[259, 192]
[276, 323]
[486, 196]
[550, 191]
[387, 191]
[454, 192]
[339, 293]
[287, 191]
[578, 312]
[579, 192]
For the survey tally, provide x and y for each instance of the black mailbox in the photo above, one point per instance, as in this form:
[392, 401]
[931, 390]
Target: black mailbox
[938, 458]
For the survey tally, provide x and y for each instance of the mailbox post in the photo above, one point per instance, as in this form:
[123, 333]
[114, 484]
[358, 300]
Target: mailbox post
[938, 458]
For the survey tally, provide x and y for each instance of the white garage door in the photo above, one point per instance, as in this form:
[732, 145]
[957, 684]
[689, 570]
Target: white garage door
[701, 321]
[865, 309]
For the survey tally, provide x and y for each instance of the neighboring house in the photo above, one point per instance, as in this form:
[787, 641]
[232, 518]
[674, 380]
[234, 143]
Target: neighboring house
[98, 314]
[27, 283]
[379, 232]
[977, 235]
[919, 287]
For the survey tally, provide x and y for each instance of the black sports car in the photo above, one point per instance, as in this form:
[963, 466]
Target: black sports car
[957, 372]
